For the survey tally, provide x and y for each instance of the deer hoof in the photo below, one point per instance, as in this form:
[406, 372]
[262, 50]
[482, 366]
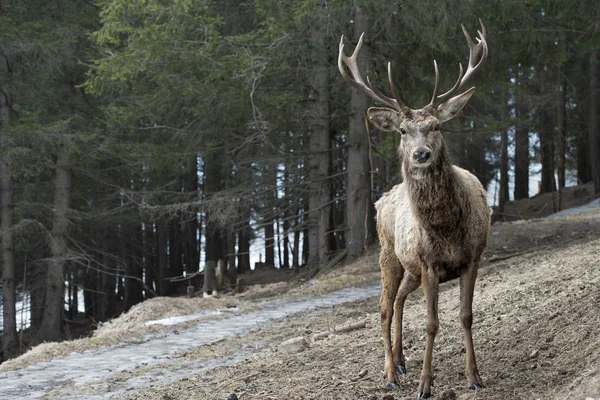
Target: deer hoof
[423, 395]
[392, 386]
[477, 386]
[401, 369]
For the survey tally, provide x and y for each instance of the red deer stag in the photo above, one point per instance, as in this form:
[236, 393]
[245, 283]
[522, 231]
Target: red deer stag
[433, 226]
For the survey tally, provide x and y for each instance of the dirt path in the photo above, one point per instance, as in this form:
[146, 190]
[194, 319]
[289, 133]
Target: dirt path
[116, 370]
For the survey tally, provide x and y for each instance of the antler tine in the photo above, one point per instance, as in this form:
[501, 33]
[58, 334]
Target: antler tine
[357, 81]
[477, 51]
[394, 89]
[437, 82]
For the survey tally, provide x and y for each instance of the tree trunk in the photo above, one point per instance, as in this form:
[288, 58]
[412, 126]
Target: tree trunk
[134, 287]
[190, 238]
[546, 133]
[212, 184]
[360, 221]
[244, 233]
[562, 127]
[305, 237]
[285, 262]
[594, 130]
[269, 214]
[149, 258]
[319, 143]
[210, 278]
[9, 337]
[175, 259]
[521, 148]
[51, 329]
[584, 171]
[231, 269]
[504, 192]
[297, 231]
[163, 261]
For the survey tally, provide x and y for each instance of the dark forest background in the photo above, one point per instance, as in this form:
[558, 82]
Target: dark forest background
[141, 138]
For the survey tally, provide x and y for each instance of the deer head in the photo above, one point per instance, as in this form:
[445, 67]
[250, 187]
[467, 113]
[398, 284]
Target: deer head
[422, 143]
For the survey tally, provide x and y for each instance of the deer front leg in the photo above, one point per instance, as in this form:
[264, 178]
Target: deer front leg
[408, 285]
[430, 281]
[391, 274]
[467, 286]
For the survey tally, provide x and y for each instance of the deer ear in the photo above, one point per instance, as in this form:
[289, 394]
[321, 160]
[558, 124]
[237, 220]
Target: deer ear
[448, 110]
[384, 119]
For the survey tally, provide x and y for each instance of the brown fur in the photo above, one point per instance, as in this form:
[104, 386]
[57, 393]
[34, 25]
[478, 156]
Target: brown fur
[432, 227]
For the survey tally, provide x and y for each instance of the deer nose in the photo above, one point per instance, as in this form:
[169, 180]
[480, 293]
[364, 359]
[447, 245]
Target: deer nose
[421, 156]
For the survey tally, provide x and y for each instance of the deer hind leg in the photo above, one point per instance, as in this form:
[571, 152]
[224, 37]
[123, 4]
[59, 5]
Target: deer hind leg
[430, 281]
[467, 286]
[408, 285]
[391, 275]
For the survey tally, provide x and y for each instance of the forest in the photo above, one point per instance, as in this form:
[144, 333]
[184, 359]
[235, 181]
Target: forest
[140, 139]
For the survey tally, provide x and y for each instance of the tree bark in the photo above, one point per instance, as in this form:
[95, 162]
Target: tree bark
[504, 192]
[297, 231]
[162, 258]
[231, 269]
[212, 184]
[51, 329]
[546, 133]
[149, 257]
[562, 127]
[175, 259]
[360, 221]
[521, 148]
[244, 232]
[9, 336]
[319, 143]
[584, 171]
[594, 130]
[269, 215]
[285, 262]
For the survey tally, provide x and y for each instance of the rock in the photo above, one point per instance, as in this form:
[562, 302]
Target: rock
[232, 396]
[294, 345]
[534, 354]
[388, 397]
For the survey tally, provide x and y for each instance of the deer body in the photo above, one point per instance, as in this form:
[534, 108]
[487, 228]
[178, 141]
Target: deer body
[452, 232]
[432, 227]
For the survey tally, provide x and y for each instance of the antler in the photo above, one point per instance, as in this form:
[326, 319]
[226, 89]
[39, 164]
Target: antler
[357, 81]
[476, 51]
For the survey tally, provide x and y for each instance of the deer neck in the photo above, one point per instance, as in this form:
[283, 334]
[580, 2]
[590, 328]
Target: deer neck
[434, 195]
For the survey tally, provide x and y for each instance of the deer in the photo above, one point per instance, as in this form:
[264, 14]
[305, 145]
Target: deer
[433, 226]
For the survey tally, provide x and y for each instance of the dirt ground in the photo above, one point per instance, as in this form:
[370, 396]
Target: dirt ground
[536, 330]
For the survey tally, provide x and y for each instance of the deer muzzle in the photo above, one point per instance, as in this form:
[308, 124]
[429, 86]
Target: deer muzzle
[421, 155]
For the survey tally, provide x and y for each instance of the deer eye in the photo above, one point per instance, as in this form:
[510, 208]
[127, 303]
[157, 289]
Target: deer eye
[403, 131]
[437, 128]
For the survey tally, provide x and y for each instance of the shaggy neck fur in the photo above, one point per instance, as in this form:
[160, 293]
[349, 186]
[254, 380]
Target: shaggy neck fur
[434, 195]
